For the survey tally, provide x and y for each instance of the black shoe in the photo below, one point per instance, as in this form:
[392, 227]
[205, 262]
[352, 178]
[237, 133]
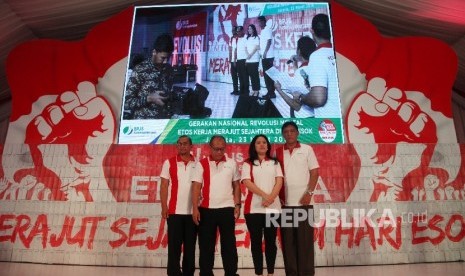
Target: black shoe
[236, 93]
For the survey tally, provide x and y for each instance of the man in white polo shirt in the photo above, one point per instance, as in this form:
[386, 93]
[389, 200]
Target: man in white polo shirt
[300, 169]
[241, 55]
[176, 207]
[216, 203]
[233, 60]
[267, 54]
[323, 93]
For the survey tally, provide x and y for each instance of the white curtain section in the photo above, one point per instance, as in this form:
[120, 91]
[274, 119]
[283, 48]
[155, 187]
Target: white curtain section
[72, 19]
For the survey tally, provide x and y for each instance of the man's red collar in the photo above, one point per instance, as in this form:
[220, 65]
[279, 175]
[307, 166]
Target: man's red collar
[223, 159]
[325, 45]
[296, 146]
[179, 158]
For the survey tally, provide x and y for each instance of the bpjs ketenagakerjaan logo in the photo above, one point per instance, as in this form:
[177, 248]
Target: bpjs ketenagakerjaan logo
[127, 130]
[184, 24]
[138, 130]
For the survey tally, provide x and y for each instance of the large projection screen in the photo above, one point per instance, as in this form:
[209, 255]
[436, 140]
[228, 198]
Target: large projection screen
[198, 102]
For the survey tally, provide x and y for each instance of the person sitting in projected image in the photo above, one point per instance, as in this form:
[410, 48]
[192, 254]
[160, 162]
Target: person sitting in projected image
[149, 85]
[305, 46]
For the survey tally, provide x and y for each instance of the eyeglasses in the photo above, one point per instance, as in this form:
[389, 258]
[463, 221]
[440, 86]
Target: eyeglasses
[218, 149]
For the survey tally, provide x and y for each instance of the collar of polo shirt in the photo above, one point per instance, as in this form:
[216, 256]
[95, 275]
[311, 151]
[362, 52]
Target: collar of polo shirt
[296, 146]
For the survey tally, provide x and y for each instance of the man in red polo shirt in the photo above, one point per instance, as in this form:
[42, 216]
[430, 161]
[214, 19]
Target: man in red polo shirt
[176, 207]
[300, 169]
[216, 203]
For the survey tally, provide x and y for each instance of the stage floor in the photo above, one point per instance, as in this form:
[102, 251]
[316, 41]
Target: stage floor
[429, 269]
[223, 103]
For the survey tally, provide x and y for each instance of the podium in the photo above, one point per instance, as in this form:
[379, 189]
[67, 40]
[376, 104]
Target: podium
[185, 73]
[190, 99]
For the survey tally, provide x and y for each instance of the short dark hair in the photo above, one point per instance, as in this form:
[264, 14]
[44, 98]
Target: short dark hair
[216, 137]
[261, 18]
[164, 44]
[320, 26]
[185, 136]
[136, 59]
[289, 123]
[306, 46]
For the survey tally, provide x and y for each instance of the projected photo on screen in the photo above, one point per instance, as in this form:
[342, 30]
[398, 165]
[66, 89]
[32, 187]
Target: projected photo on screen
[235, 70]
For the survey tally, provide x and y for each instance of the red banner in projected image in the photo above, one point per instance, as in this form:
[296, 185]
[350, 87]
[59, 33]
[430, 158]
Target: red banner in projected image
[189, 38]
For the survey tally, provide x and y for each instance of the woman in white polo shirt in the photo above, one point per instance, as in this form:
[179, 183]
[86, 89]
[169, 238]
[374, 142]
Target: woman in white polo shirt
[263, 177]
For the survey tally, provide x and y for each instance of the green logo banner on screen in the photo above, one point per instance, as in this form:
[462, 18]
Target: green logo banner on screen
[312, 130]
[271, 9]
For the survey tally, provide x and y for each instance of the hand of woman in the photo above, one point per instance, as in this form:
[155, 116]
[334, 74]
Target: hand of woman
[267, 200]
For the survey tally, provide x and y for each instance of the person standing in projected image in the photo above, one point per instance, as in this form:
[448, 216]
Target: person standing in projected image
[300, 169]
[149, 86]
[263, 177]
[233, 61]
[323, 93]
[176, 208]
[267, 55]
[253, 58]
[216, 204]
[240, 62]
